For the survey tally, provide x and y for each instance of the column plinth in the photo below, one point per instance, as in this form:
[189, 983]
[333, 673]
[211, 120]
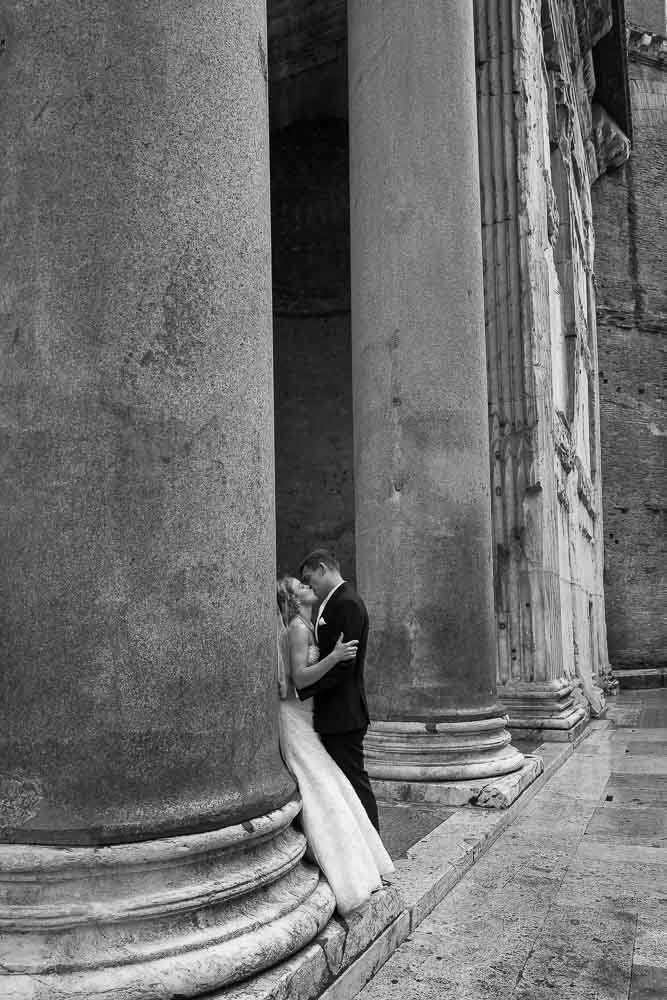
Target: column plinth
[145, 811]
[550, 708]
[423, 513]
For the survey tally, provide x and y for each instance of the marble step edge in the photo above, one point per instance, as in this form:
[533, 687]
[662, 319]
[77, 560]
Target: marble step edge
[345, 955]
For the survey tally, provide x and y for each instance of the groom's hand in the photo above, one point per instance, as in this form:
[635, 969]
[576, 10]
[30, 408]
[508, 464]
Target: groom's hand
[345, 650]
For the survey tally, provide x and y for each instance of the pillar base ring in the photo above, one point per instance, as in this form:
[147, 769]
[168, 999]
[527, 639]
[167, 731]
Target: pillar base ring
[181, 916]
[410, 751]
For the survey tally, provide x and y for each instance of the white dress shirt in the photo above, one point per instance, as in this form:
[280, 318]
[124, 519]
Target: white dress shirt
[320, 613]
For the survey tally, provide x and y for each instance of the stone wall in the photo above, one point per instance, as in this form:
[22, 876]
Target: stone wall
[650, 15]
[307, 60]
[630, 271]
[313, 373]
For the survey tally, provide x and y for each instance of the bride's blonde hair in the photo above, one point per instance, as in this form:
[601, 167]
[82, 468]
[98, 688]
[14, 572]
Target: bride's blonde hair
[288, 603]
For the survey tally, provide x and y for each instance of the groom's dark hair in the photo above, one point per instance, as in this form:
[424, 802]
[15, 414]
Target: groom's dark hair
[317, 556]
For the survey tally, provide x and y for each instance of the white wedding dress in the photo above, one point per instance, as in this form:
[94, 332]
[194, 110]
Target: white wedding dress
[346, 845]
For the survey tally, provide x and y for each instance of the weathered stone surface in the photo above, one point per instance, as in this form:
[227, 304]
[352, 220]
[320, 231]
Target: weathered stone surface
[502, 792]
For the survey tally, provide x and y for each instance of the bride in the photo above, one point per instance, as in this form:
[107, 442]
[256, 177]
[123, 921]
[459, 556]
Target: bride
[340, 835]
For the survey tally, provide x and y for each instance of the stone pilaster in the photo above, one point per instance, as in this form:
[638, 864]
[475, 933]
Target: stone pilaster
[518, 222]
[541, 400]
[423, 539]
[145, 814]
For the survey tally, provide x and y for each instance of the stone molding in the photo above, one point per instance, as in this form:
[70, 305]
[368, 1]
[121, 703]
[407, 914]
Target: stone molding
[182, 915]
[440, 751]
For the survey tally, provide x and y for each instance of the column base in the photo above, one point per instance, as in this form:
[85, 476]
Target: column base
[441, 751]
[491, 793]
[549, 710]
[174, 917]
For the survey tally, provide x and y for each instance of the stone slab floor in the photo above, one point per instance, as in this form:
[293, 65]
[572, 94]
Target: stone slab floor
[570, 903]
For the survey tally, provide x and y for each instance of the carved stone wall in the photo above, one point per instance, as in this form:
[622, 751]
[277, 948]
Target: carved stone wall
[539, 155]
[571, 31]
[631, 277]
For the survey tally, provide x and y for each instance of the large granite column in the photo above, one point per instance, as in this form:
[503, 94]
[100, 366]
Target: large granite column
[420, 409]
[147, 848]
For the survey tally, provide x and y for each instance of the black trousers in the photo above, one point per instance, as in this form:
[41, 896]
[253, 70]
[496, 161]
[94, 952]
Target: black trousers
[348, 752]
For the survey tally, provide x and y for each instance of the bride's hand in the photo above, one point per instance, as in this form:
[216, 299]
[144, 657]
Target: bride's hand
[345, 650]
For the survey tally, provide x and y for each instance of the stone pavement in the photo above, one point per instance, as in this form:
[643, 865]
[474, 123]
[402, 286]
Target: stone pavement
[570, 902]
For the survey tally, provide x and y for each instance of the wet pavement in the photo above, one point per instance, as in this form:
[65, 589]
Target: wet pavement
[570, 902]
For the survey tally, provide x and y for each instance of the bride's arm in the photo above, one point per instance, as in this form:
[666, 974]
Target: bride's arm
[302, 673]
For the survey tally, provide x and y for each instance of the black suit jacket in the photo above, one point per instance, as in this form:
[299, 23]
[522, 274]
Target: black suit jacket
[340, 698]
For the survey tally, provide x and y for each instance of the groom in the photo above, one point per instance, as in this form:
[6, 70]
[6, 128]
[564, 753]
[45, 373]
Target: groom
[340, 713]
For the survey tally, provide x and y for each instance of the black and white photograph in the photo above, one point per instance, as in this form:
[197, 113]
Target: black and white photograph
[333, 625]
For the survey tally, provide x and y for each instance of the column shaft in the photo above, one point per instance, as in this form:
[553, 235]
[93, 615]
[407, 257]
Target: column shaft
[423, 529]
[145, 809]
